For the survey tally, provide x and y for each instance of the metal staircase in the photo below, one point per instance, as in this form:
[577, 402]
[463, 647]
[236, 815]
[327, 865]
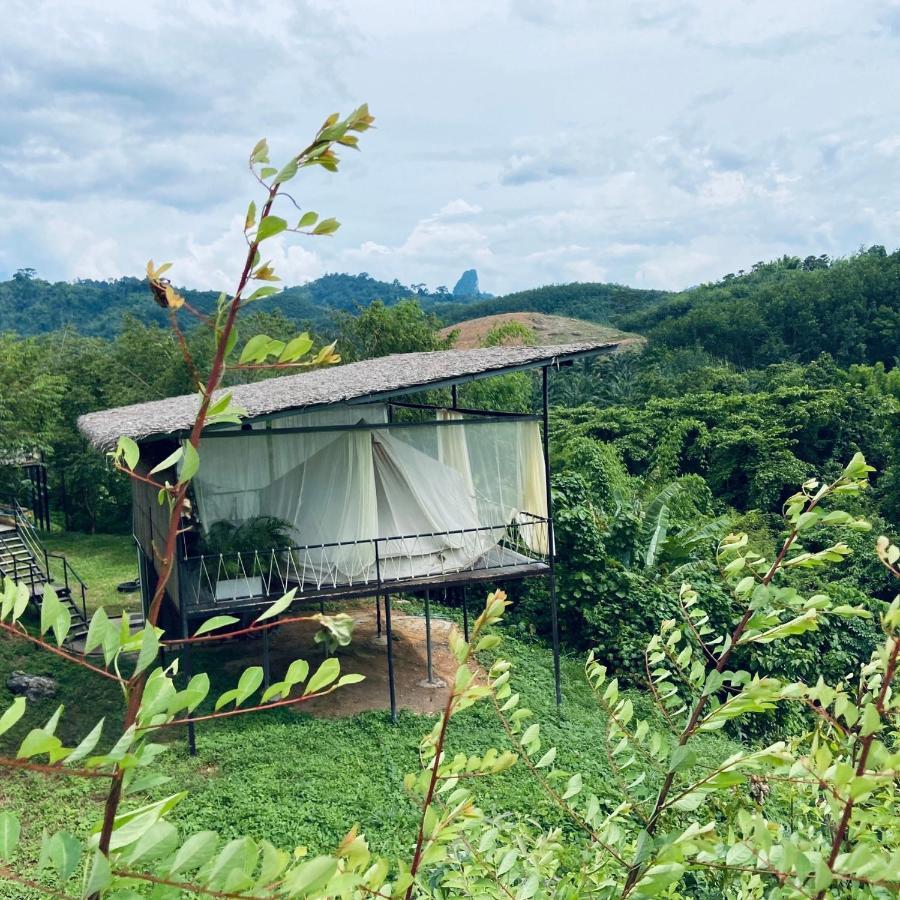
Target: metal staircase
[24, 559]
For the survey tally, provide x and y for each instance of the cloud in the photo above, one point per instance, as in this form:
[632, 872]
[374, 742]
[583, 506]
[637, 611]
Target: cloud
[658, 143]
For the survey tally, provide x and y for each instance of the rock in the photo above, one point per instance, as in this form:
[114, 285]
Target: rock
[34, 687]
[467, 286]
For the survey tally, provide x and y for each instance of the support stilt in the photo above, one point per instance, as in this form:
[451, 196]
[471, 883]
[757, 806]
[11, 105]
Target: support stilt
[428, 637]
[551, 548]
[390, 656]
[377, 615]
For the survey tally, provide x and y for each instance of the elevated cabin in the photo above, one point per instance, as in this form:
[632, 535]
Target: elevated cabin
[345, 482]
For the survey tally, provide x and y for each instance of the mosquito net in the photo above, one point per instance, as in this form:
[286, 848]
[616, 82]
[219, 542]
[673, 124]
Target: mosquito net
[437, 498]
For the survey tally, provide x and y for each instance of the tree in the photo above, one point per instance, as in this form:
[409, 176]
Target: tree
[379, 330]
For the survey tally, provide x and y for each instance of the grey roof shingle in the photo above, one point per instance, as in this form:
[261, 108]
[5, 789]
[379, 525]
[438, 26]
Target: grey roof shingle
[369, 379]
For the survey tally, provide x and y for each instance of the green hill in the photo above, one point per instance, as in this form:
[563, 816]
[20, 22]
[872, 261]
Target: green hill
[30, 305]
[594, 302]
[788, 309]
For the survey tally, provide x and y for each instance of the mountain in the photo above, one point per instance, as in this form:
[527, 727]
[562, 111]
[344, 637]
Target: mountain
[467, 286]
[594, 302]
[30, 305]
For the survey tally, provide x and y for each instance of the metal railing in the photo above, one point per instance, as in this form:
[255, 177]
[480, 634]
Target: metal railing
[211, 580]
[56, 568]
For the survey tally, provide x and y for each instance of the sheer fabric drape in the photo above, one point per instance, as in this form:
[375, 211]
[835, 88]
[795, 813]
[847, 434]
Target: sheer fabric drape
[440, 497]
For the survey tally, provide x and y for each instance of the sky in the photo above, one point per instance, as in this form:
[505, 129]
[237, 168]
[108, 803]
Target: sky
[652, 143]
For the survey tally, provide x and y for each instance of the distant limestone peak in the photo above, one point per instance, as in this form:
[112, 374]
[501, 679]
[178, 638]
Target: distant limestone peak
[467, 286]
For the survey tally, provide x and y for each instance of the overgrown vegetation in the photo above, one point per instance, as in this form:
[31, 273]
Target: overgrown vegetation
[743, 636]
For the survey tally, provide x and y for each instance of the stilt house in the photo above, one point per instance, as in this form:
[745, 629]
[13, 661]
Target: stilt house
[373, 491]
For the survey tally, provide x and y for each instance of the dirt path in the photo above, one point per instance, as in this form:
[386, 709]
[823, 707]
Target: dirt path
[366, 655]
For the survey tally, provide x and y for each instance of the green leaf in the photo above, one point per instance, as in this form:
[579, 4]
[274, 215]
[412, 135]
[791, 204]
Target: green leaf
[296, 348]
[327, 226]
[261, 292]
[195, 693]
[149, 648]
[12, 714]
[507, 862]
[96, 630]
[307, 219]
[807, 622]
[287, 173]
[159, 840]
[325, 674]
[682, 758]
[215, 623]
[129, 450]
[352, 678]
[100, 875]
[87, 744]
[190, 463]
[278, 607]
[311, 876]
[297, 672]
[547, 759]
[260, 152]
[269, 227]
[169, 461]
[573, 786]
[36, 742]
[871, 720]
[196, 851]
[9, 833]
[255, 349]
[267, 172]
[64, 851]
[54, 615]
[249, 681]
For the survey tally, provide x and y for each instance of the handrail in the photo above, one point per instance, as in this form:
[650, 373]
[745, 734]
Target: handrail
[536, 520]
[252, 575]
[39, 553]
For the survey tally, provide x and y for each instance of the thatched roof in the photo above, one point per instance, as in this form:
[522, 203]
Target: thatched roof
[371, 379]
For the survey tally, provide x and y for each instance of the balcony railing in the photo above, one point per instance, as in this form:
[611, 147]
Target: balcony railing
[354, 567]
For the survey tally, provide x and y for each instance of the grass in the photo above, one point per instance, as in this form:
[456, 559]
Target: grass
[302, 781]
[103, 561]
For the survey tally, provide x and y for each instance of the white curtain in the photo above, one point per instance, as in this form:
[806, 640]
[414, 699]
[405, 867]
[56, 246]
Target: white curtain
[440, 498]
[453, 448]
[534, 487]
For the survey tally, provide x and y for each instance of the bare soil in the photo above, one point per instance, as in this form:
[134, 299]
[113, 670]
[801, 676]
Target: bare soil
[366, 655]
[547, 329]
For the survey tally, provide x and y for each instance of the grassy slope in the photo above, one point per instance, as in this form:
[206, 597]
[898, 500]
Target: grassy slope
[297, 780]
[102, 561]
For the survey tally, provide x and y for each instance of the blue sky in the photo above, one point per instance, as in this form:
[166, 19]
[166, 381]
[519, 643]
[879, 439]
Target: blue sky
[655, 143]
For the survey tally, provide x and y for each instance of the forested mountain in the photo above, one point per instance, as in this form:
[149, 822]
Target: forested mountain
[595, 302]
[29, 305]
[787, 309]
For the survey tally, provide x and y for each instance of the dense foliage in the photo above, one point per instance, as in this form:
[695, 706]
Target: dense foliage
[29, 305]
[789, 309]
[594, 302]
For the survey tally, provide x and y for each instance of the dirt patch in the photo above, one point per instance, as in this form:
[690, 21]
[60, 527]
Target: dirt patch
[366, 655]
[547, 329]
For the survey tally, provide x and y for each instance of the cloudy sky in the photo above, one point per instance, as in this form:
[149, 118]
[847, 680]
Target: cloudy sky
[653, 143]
